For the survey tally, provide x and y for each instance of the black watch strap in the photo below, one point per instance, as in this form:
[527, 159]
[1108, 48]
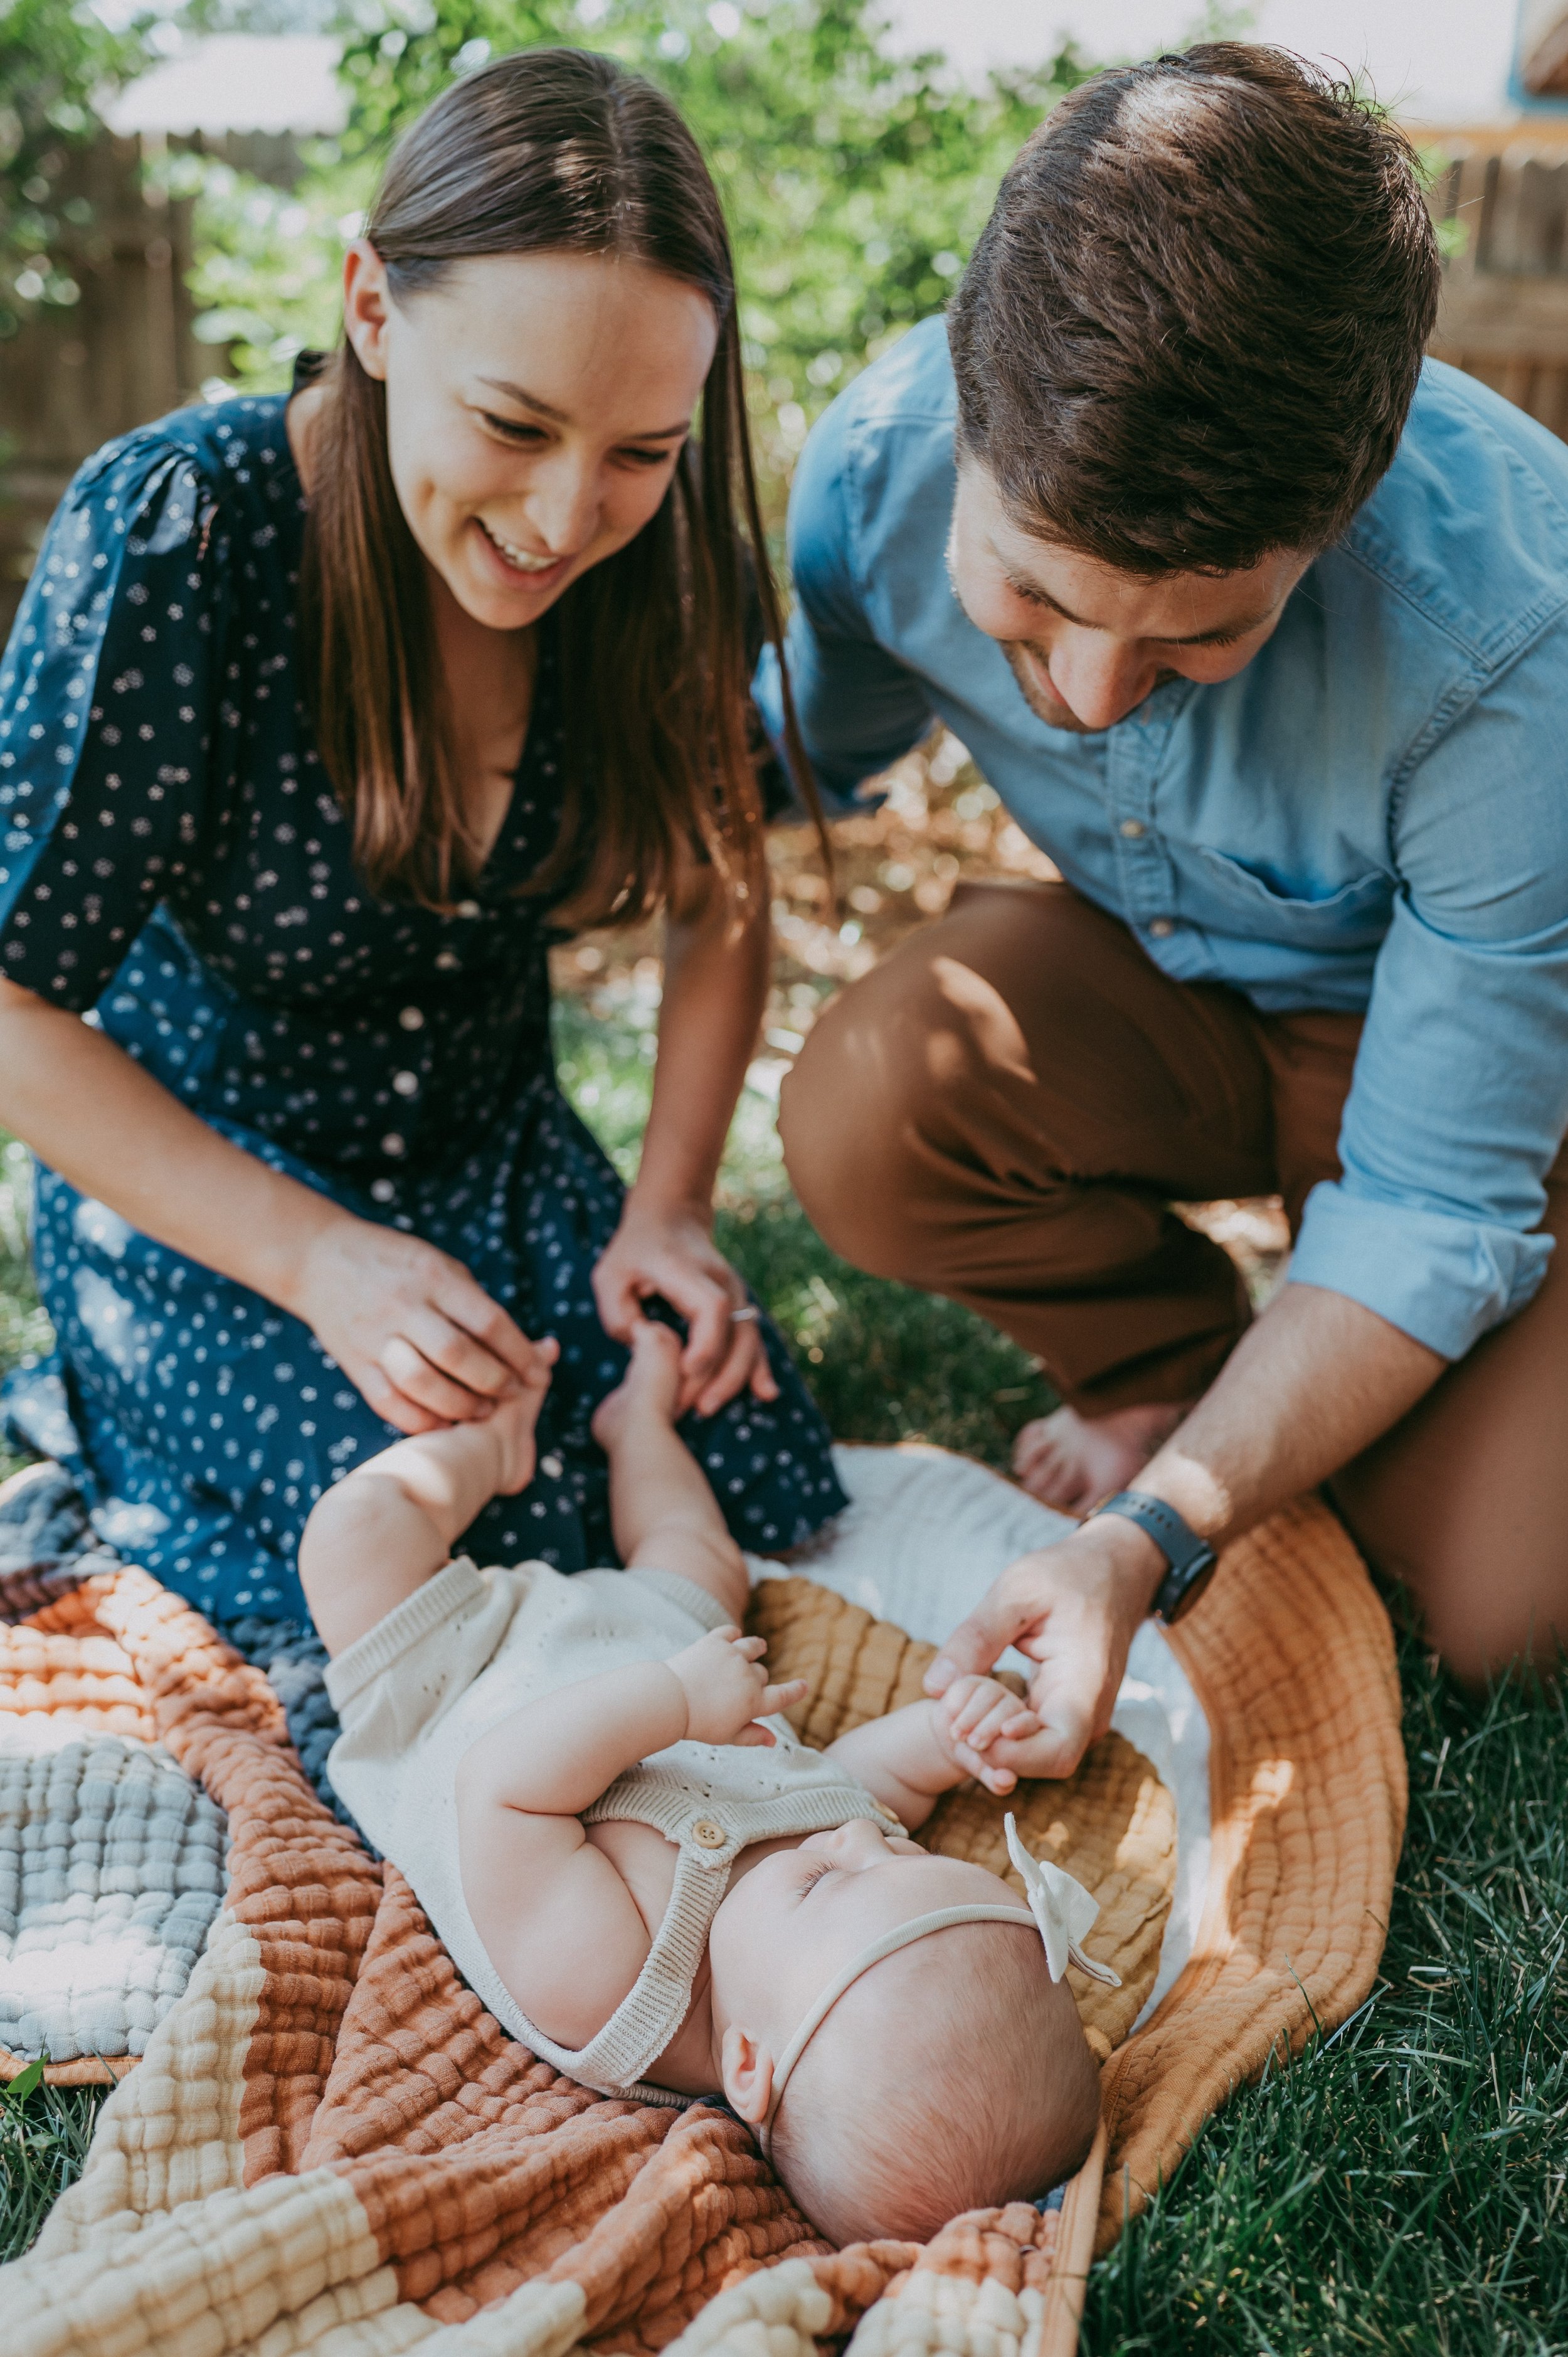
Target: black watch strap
[1191, 1560]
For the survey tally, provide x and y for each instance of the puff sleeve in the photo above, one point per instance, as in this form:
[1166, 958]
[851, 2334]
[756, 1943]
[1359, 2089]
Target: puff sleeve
[110, 715]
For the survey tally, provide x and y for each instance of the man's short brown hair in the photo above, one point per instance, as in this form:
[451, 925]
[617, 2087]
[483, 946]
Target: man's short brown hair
[1191, 330]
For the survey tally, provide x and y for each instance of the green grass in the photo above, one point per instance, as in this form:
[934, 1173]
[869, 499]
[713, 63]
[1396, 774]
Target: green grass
[1401, 2187]
[44, 2136]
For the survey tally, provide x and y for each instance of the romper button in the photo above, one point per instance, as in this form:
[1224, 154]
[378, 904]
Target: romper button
[707, 1835]
[1132, 828]
[412, 1020]
[1162, 928]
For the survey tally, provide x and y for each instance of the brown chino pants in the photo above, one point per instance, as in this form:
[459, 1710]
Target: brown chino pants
[1003, 1111]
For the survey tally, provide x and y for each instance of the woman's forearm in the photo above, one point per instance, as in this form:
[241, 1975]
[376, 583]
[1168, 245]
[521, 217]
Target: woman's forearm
[716, 986]
[93, 1114]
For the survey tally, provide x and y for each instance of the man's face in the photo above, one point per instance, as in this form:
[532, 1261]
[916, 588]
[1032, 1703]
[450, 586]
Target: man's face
[1088, 644]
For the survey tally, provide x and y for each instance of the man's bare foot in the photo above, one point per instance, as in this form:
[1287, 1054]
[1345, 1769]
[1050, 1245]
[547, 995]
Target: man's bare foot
[650, 1387]
[1067, 1460]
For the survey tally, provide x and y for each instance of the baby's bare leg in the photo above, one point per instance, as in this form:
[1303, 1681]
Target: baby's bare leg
[666, 1518]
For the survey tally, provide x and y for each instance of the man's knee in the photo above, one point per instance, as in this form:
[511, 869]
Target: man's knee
[849, 1116]
[1486, 1604]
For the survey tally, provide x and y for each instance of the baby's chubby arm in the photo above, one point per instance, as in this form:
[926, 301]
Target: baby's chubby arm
[389, 1526]
[561, 1925]
[913, 1756]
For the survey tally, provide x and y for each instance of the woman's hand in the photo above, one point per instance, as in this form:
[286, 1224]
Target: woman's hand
[656, 1251]
[1074, 1609]
[409, 1327]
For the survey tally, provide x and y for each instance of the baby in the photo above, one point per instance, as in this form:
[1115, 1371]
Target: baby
[644, 1875]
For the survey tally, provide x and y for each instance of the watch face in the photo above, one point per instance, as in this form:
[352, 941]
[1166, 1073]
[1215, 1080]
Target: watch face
[1179, 1591]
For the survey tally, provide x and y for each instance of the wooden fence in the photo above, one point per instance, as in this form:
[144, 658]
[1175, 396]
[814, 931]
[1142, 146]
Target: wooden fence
[122, 354]
[1504, 315]
[73, 379]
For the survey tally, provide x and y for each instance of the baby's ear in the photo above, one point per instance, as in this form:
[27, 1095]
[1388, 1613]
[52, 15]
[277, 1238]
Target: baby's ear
[747, 2068]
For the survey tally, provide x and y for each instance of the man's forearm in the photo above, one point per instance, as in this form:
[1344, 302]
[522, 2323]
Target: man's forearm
[1317, 1379]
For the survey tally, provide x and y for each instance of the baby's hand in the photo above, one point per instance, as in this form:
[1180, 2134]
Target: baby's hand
[982, 1723]
[726, 1688]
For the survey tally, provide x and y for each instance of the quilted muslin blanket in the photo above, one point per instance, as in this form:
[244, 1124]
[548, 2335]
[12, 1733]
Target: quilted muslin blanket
[321, 2142]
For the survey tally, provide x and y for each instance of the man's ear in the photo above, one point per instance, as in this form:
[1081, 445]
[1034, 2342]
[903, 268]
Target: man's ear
[367, 301]
[747, 2068]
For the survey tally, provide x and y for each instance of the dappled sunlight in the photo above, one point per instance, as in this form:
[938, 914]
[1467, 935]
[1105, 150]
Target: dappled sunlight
[109, 1317]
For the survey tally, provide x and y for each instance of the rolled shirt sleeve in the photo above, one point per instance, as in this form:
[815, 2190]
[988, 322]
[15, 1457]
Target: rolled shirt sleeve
[108, 710]
[858, 706]
[1460, 1097]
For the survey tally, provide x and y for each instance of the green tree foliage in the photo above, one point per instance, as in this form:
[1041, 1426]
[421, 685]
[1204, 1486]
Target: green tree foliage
[855, 181]
[56, 56]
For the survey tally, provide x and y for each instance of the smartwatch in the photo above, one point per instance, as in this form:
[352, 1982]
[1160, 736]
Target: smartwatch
[1190, 1560]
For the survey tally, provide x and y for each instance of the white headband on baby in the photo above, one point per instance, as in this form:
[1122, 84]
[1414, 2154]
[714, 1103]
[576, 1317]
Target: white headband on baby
[1059, 1909]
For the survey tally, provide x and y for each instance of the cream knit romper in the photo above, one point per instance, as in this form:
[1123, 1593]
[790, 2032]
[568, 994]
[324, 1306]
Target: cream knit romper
[471, 1646]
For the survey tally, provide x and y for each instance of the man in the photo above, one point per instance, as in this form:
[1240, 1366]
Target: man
[1260, 629]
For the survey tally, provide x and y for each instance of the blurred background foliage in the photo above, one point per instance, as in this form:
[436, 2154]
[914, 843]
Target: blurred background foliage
[56, 61]
[856, 180]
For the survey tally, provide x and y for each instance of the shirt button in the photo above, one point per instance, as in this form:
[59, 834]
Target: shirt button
[468, 909]
[1132, 828]
[391, 1142]
[406, 1083]
[1162, 928]
[447, 960]
[411, 1018]
[707, 1835]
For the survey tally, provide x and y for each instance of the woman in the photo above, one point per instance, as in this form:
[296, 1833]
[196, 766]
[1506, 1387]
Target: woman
[321, 717]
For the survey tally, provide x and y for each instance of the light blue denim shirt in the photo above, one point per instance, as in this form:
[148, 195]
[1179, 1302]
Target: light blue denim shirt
[1373, 816]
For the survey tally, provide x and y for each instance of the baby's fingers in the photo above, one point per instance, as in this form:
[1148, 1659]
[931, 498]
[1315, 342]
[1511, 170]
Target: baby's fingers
[983, 1714]
[783, 1697]
[995, 1779]
[752, 1734]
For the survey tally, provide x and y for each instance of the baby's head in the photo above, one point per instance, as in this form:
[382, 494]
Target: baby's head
[950, 2075]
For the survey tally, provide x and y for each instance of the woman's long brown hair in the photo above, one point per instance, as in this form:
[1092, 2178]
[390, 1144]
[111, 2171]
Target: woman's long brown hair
[551, 151]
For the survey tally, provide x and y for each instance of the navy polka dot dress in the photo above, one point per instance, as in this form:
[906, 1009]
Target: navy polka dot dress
[173, 858]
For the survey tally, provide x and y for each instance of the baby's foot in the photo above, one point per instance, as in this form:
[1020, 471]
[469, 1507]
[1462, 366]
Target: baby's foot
[651, 1386]
[1068, 1461]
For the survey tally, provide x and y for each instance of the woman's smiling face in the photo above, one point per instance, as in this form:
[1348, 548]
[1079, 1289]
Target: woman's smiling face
[537, 405]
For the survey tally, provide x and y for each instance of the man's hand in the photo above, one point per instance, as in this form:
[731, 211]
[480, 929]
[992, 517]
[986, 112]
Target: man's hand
[981, 1724]
[1073, 1608]
[726, 1688]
